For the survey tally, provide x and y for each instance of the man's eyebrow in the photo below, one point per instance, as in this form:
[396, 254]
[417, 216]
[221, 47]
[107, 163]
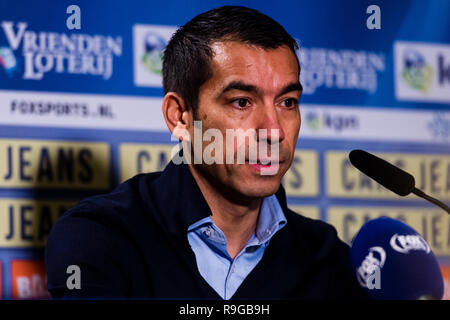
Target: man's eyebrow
[291, 87]
[239, 85]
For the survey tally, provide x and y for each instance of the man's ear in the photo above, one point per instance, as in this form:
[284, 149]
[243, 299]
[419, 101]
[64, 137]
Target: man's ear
[176, 114]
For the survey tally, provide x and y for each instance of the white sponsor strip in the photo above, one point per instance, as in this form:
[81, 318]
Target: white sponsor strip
[374, 124]
[81, 111]
[144, 113]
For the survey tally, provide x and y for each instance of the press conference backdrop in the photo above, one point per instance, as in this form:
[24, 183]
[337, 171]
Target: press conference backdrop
[80, 111]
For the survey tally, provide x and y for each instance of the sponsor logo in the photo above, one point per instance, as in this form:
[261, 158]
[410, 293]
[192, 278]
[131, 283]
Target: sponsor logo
[440, 126]
[445, 270]
[149, 42]
[340, 69]
[417, 73]
[26, 223]
[406, 243]
[152, 58]
[29, 279]
[422, 71]
[8, 61]
[315, 121]
[45, 52]
[372, 263]
[96, 111]
[53, 164]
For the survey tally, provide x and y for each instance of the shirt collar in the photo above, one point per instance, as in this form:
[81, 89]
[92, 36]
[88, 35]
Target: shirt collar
[200, 223]
[271, 219]
[175, 199]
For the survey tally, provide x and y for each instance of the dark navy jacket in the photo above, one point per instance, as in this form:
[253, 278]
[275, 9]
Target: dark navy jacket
[133, 243]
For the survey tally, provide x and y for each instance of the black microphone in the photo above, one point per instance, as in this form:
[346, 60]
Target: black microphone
[389, 176]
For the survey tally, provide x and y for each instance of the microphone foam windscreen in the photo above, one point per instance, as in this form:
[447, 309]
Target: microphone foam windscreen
[393, 262]
[386, 174]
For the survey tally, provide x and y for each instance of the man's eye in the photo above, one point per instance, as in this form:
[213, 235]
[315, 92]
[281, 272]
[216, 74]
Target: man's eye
[291, 102]
[240, 103]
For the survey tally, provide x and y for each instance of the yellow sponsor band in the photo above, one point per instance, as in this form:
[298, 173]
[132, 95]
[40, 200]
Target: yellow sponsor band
[431, 173]
[27, 222]
[138, 158]
[432, 224]
[54, 164]
[300, 180]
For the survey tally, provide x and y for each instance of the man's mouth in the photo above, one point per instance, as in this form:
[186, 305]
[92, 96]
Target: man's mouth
[264, 162]
[269, 167]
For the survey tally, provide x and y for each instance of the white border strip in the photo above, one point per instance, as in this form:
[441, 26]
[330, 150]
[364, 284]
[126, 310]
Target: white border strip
[130, 113]
[144, 114]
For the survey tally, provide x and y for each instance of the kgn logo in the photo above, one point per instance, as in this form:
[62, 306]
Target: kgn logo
[416, 72]
[316, 121]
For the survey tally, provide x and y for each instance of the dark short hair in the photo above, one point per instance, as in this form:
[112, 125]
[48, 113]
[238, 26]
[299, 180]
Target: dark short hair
[187, 57]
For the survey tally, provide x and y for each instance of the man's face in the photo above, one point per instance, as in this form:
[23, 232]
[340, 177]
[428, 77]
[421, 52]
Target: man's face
[251, 88]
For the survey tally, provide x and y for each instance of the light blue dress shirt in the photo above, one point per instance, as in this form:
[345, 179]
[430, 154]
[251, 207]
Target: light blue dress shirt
[209, 244]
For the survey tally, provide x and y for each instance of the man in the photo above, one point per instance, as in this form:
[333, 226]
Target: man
[211, 229]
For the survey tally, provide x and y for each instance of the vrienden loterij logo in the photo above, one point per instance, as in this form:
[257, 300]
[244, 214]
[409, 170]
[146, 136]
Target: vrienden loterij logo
[45, 52]
[341, 69]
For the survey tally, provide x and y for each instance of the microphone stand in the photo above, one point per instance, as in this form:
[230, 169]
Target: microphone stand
[422, 194]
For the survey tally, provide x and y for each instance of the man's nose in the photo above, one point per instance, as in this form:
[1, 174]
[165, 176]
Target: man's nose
[269, 119]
